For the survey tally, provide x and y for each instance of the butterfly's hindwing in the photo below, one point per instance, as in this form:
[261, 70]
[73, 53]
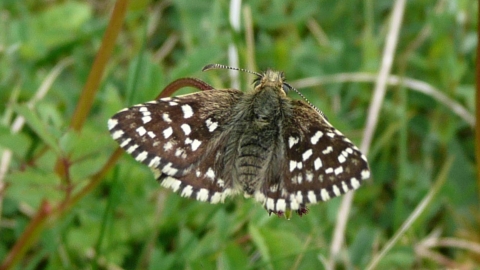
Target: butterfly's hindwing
[319, 163]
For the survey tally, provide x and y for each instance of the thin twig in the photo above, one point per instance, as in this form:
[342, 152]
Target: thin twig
[166, 48]
[372, 119]
[318, 32]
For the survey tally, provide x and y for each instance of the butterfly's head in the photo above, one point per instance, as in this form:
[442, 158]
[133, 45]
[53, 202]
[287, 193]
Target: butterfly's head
[274, 79]
[269, 78]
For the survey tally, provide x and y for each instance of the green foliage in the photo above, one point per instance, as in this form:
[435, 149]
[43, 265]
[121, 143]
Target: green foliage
[128, 221]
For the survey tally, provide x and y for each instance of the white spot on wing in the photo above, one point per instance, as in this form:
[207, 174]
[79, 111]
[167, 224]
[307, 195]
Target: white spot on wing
[172, 183]
[146, 119]
[307, 154]
[210, 173]
[329, 170]
[292, 141]
[141, 131]
[293, 165]
[327, 150]
[270, 204]
[132, 148]
[211, 125]
[338, 170]
[112, 123]
[281, 205]
[168, 146]
[318, 163]
[179, 152]
[298, 197]
[166, 118]
[186, 129]
[293, 205]
[142, 156]
[312, 197]
[124, 143]
[324, 195]
[217, 197]
[187, 111]
[167, 132]
[365, 174]
[354, 182]
[309, 176]
[169, 170]
[260, 197]
[195, 144]
[316, 137]
[187, 191]
[151, 134]
[154, 162]
[202, 195]
[117, 134]
[336, 191]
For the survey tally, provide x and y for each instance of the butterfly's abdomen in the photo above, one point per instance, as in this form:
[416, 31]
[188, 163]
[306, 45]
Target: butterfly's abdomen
[252, 151]
[254, 137]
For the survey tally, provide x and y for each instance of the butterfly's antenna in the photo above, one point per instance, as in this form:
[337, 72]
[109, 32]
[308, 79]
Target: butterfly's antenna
[305, 98]
[219, 66]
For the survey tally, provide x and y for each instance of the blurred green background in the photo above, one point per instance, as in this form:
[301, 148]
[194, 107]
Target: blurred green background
[122, 218]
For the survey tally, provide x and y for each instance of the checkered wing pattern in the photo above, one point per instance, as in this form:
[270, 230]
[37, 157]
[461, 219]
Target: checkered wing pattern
[318, 161]
[172, 136]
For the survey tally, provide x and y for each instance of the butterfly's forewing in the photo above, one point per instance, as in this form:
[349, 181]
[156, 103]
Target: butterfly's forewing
[172, 135]
[319, 163]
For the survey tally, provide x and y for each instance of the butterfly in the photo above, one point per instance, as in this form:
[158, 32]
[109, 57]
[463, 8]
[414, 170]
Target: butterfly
[214, 144]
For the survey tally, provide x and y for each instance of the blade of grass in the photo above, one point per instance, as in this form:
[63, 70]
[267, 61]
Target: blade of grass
[477, 106]
[372, 120]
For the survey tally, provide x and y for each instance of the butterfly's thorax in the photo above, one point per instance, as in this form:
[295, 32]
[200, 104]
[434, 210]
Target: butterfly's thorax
[256, 127]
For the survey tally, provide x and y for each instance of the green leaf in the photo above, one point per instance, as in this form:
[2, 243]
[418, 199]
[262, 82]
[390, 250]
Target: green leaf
[31, 187]
[32, 119]
[18, 143]
[55, 27]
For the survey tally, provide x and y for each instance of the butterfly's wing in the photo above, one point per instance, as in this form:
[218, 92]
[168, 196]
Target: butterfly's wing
[172, 136]
[319, 162]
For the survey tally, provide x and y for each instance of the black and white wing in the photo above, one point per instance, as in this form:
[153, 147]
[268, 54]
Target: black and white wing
[172, 137]
[319, 163]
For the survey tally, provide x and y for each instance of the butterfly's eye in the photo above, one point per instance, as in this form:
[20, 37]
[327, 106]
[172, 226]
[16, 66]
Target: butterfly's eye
[286, 87]
[257, 80]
